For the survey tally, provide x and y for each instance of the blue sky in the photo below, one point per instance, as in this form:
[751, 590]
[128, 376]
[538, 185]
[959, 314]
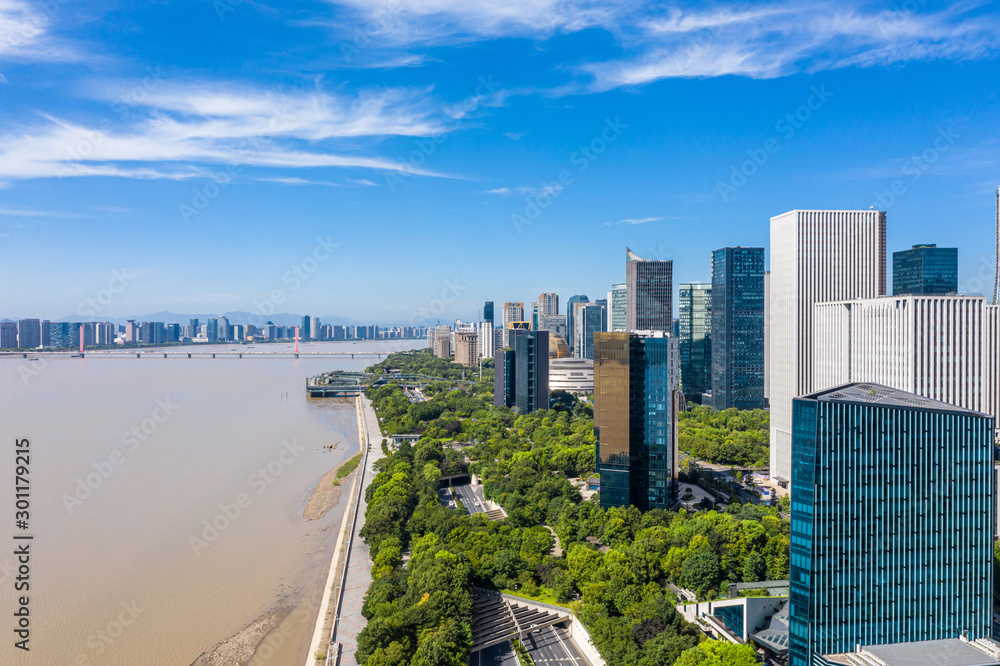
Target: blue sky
[208, 156]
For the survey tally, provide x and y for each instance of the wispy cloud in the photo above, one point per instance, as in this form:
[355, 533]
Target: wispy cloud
[642, 220]
[25, 32]
[29, 212]
[779, 39]
[523, 191]
[182, 131]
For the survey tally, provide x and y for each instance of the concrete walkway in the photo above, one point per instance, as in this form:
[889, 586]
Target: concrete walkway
[340, 620]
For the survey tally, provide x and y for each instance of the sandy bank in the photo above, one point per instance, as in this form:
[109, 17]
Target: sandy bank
[238, 650]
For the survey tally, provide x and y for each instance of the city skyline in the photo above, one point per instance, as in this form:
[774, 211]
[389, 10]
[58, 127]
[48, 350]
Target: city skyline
[381, 129]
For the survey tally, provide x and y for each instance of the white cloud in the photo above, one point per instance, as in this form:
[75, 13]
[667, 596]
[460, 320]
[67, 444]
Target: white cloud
[186, 131]
[25, 32]
[523, 191]
[779, 39]
[642, 220]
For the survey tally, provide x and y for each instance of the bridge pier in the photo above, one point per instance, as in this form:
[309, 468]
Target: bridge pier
[189, 355]
[164, 355]
[296, 354]
[138, 355]
[24, 356]
[241, 355]
[213, 355]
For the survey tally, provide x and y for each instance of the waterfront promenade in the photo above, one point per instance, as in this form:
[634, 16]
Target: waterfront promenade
[340, 620]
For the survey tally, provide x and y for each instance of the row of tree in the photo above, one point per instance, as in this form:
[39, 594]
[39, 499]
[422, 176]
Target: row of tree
[730, 437]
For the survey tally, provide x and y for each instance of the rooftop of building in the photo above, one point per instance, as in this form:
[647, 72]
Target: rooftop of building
[877, 394]
[948, 652]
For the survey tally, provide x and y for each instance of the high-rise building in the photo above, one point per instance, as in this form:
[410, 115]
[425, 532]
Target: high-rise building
[590, 319]
[505, 376]
[937, 347]
[571, 316]
[212, 329]
[925, 270]
[512, 311]
[738, 347]
[619, 313]
[132, 332]
[486, 349]
[555, 325]
[816, 256]
[315, 326]
[439, 339]
[996, 284]
[695, 340]
[767, 338]
[29, 333]
[649, 286]
[195, 325]
[535, 309]
[8, 335]
[467, 348]
[635, 418]
[548, 304]
[531, 376]
[488, 313]
[223, 328]
[306, 327]
[892, 522]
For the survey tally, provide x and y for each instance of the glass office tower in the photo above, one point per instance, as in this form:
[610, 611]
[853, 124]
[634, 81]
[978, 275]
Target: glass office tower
[619, 315]
[488, 312]
[504, 377]
[531, 371]
[635, 418]
[892, 521]
[695, 339]
[649, 286]
[738, 328]
[925, 270]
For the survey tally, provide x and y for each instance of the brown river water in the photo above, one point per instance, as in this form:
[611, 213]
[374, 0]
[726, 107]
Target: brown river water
[166, 503]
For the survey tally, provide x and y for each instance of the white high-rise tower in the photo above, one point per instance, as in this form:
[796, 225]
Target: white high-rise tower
[996, 285]
[816, 256]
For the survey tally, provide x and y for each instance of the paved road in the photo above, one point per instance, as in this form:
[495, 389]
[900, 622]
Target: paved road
[469, 496]
[553, 646]
[498, 655]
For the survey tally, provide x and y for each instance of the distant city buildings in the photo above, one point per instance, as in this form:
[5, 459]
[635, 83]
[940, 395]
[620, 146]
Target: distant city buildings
[488, 313]
[8, 335]
[891, 524]
[738, 347]
[925, 270]
[635, 418]
[512, 312]
[695, 340]
[649, 295]
[29, 333]
[816, 256]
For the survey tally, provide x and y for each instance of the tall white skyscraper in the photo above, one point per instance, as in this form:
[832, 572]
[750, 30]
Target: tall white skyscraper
[937, 347]
[996, 285]
[816, 256]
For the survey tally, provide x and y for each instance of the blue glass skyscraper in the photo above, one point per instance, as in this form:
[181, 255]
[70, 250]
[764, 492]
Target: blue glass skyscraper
[635, 418]
[892, 521]
[738, 328]
[925, 270]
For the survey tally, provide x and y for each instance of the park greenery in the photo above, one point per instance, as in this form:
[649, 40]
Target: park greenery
[615, 564]
[730, 437]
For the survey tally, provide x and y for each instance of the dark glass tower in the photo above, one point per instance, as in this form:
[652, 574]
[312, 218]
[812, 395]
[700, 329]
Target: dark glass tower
[504, 378]
[738, 328]
[488, 312]
[592, 319]
[892, 521]
[531, 372]
[635, 418]
[695, 338]
[649, 289]
[925, 270]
